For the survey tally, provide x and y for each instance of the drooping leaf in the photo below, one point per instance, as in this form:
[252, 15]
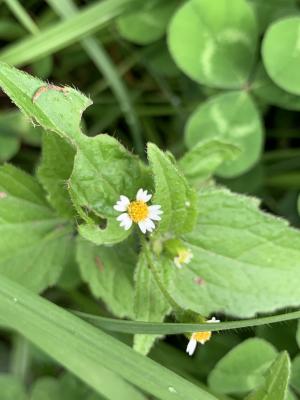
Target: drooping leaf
[109, 273]
[12, 388]
[148, 23]
[212, 46]
[245, 261]
[199, 163]
[34, 241]
[233, 118]
[54, 171]
[283, 62]
[149, 303]
[173, 193]
[267, 90]
[276, 382]
[242, 369]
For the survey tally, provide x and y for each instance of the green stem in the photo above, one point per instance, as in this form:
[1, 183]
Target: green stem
[175, 306]
[22, 15]
[20, 358]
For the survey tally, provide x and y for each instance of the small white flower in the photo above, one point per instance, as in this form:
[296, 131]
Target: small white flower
[199, 337]
[184, 257]
[138, 211]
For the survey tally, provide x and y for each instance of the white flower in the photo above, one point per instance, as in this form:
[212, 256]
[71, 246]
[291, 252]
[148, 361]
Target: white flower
[138, 211]
[184, 257]
[199, 337]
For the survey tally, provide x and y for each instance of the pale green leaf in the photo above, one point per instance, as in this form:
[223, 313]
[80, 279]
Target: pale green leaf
[283, 62]
[54, 171]
[46, 388]
[11, 388]
[213, 46]
[148, 23]
[233, 118]
[276, 382]
[264, 88]
[34, 241]
[242, 369]
[103, 362]
[199, 163]
[172, 193]
[108, 235]
[109, 273]
[245, 261]
[149, 303]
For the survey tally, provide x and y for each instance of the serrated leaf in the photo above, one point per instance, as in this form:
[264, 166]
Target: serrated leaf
[245, 261]
[53, 109]
[109, 273]
[173, 193]
[54, 170]
[34, 241]
[149, 23]
[283, 62]
[242, 368]
[149, 304]
[264, 88]
[199, 163]
[233, 118]
[12, 388]
[212, 46]
[276, 382]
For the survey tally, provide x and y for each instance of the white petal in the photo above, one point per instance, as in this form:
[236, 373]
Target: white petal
[177, 263]
[156, 207]
[142, 226]
[142, 195]
[122, 204]
[213, 320]
[125, 220]
[191, 347]
[154, 213]
[149, 225]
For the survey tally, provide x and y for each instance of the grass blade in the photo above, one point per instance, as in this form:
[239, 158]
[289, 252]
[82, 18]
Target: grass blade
[64, 33]
[21, 14]
[97, 358]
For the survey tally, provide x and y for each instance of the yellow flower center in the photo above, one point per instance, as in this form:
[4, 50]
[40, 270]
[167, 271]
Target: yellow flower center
[202, 337]
[138, 211]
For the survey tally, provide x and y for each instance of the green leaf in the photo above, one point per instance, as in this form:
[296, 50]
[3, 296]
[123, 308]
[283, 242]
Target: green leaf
[242, 368]
[149, 23]
[276, 383]
[34, 241]
[106, 364]
[283, 62]
[11, 388]
[54, 171]
[199, 163]
[212, 46]
[110, 234]
[109, 273]
[173, 193]
[295, 378]
[53, 109]
[149, 303]
[233, 118]
[46, 388]
[245, 261]
[264, 88]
